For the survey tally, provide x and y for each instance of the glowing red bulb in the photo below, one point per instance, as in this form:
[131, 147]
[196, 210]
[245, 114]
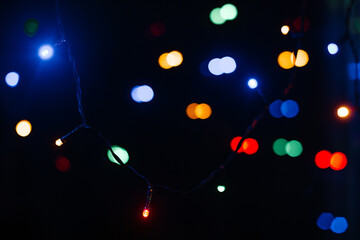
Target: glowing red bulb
[146, 213]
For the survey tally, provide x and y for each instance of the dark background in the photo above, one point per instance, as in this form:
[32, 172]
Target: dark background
[266, 197]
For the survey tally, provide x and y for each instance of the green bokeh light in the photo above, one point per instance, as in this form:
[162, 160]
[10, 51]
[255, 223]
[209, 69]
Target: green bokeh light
[215, 17]
[120, 152]
[228, 12]
[279, 146]
[31, 26]
[293, 148]
[221, 188]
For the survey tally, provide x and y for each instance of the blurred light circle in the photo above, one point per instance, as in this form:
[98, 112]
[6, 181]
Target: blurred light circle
[62, 164]
[339, 225]
[144, 93]
[216, 18]
[333, 48]
[286, 60]
[228, 12]
[23, 128]
[174, 58]
[163, 62]
[302, 58]
[134, 95]
[279, 146]
[227, 65]
[203, 111]
[235, 142]
[214, 67]
[324, 221]
[250, 146]
[285, 29]
[322, 159]
[12, 79]
[252, 83]
[190, 110]
[157, 29]
[120, 152]
[302, 24]
[274, 109]
[293, 148]
[221, 188]
[343, 112]
[289, 108]
[31, 26]
[338, 161]
[46, 52]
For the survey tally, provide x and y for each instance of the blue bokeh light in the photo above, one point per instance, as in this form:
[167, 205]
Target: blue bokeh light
[274, 109]
[46, 52]
[333, 48]
[324, 221]
[12, 79]
[339, 225]
[214, 67]
[289, 108]
[227, 65]
[252, 83]
[142, 93]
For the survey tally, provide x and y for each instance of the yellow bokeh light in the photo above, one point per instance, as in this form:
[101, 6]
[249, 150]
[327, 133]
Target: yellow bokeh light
[190, 111]
[343, 112]
[163, 62]
[23, 128]
[302, 58]
[285, 29]
[174, 58]
[286, 60]
[203, 111]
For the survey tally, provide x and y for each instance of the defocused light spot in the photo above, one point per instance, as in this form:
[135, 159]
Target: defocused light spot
[302, 58]
[120, 152]
[303, 23]
[216, 18]
[62, 164]
[339, 225]
[31, 26]
[190, 111]
[23, 128]
[134, 94]
[343, 112]
[252, 83]
[274, 109]
[234, 143]
[333, 48]
[322, 159]
[163, 62]
[279, 146]
[142, 93]
[228, 12]
[293, 148]
[157, 29]
[46, 52]
[203, 111]
[174, 58]
[285, 29]
[286, 60]
[12, 79]
[58, 142]
[289, 108]
[250, 146]
[214, 67]
[338, 161]
[146, 213]
[221, 188]
[227, 65]
[324, 221]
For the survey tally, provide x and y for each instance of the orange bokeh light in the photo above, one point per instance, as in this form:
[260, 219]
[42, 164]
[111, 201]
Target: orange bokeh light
[190, 111]
[338, 161]
[146, 213]
[322, 159]
[203, 111]
[163, 62]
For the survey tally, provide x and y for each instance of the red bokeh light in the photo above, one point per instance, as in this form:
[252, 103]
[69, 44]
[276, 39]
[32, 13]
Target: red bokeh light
[297, 24]
[157, 29]
[249, 146]
[322, 159]
[234, 142]
[338, 161]
[62, 164]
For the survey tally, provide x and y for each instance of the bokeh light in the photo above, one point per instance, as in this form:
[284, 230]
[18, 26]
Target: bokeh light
[228, 12]
[62, 164]
[216, 18]
[286, 60]
[174, 58]
[30, 27]
[234, 143]
[289, 108]
[343, 112]
[142, 93]
[163, 61]
[214, 67]
[293, 148]
[250, 146]
[339, 225]
[120, 152]
[274, 109]
[333, 48]
[157, 29]
[322, 159]
[227, 65]
[279, 146]
[146, 213]
[203, 111]
[302, 58]
[12, 79]
[303, 23]
[220, 188]
[252, 83]
[23, 128]
[190, 110]
[59, 142]
[338, 161]
[285, 29]
[46, 52]
[324, 221]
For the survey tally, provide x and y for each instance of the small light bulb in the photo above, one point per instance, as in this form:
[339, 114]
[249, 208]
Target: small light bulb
[285, 29]
[46, 52]
[146, 213]
[59, 142]
[221, 188]
[333, 48]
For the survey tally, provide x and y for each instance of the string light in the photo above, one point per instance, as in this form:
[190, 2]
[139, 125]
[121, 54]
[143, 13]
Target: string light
[146, 213]
[289, 108]
[279, 146]
[322, 159]
[339, 225]
[228, 12]
[302, 58]
[142, 94]
[119, 151]
[293, 148]
[215, 17]
[59, 142]
[286, 60]
[174, 58]
[338, 161]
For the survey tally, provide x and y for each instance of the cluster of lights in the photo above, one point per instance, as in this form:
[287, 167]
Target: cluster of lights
[198, 111]
[336, 161]
[288, 109]
[171, 59]
[287, 60]
[249, 146]
[292, 148]
[142, 93]
[219, 66]
[227, 12]
[327, 221]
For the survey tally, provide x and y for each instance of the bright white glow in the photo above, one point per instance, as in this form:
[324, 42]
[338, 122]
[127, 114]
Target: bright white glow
[221, 188]
[285, 29]
[142, 93]
[333, 48]
[134, 94]
[227, 65]
[252, 83]
[12, 79]
[343, 112]
[214, 67]
[46, 52]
